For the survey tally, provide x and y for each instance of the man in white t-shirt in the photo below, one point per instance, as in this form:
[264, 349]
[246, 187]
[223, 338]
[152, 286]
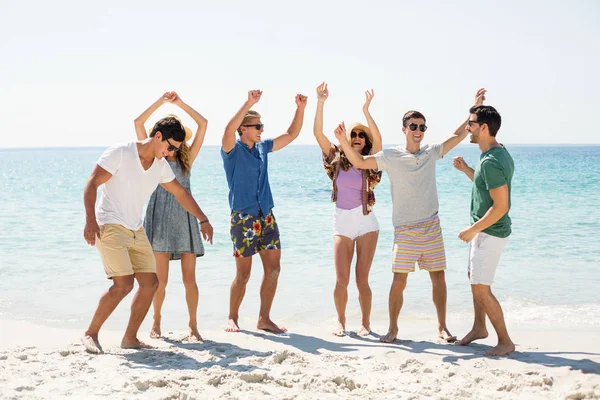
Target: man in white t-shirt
[417, 231]
[127, 175]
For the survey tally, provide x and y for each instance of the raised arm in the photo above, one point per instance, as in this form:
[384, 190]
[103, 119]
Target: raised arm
[359, 161]
[190, 205]
[228, 141]
[200, 121]
[98, 177]
[322, 95]
[377, 143]
[461, 132]
[140, 129]
[294, 130]
[461, 165]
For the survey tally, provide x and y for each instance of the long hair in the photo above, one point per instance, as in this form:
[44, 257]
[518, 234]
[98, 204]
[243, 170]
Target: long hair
[183, 158]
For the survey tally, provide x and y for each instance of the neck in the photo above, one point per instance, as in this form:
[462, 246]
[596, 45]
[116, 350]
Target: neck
[485, 146]
[247, 142]
[145, 149]
[413, 147]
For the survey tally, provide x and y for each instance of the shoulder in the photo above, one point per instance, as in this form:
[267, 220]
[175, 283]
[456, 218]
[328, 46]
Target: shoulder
[265, 145]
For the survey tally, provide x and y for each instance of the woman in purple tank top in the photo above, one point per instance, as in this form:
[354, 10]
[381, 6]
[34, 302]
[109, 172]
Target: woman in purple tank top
[355, 225]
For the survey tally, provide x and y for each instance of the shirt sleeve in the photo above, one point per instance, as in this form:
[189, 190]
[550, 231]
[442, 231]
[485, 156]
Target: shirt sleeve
[167, 174]
[332, 157]
[438, 150]
[229, 155]
[493, 174]
[110, 160]
[268, 145]
[383, 160]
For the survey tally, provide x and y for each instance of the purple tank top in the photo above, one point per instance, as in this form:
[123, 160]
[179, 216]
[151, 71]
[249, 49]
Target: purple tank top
[349, 189]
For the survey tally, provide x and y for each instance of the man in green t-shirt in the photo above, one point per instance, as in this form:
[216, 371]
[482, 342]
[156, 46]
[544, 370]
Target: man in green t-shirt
[490, 223]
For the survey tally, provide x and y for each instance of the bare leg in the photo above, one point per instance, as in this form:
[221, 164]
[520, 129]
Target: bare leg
[365, 250]
[162, 272]
[395, 304]
[121, 287]
[479, 330]
[343, 249]
[439, 294]
[148, 283]
[490, 304]
[271, 266]
[237, 291]
[188, 272]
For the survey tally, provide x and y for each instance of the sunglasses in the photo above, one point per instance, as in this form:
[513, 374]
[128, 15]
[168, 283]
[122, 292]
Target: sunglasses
[360, 134]
[470, 123]
[172, 147]
[422, 127]
[257, 126]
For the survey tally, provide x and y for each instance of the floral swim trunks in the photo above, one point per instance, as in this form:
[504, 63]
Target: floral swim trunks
[251, 234]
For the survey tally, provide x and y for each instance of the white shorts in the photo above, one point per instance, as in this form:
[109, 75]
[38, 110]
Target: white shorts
[484, 257]
[352, 223]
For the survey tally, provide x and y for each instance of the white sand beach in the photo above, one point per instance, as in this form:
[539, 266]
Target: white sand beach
[307, 363]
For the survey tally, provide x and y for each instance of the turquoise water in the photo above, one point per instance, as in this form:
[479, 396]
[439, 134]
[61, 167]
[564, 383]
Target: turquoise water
[549, 272]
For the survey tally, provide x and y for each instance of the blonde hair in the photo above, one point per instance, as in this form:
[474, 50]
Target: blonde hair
[183, 158]
[249, 116]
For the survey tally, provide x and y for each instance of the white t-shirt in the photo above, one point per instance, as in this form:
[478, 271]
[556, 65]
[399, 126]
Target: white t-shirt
[412, 182]
[123, 196]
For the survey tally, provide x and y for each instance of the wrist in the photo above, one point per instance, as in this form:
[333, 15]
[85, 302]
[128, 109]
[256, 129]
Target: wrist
[204, 221]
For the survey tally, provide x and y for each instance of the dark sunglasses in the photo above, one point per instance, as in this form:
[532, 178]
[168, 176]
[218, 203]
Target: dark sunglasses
[470, 123]
[171, 147]
[422, 127]
[360, 134]
[257, 126]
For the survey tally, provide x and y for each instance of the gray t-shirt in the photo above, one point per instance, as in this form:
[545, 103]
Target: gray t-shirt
[412, 182]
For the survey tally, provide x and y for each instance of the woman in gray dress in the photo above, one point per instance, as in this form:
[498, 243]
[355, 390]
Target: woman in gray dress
[173, 232]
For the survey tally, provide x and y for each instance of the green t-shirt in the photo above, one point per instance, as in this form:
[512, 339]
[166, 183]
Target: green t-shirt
[495, 169]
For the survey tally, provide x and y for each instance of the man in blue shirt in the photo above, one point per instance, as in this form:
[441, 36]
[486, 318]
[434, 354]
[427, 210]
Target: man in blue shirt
[253, 226]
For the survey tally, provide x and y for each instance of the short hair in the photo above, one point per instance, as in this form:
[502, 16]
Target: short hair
[170, 127]
[488, 115]
[412, 114]
[249, 115]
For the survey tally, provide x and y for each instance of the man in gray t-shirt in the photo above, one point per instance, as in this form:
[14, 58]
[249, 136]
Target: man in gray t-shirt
[417, 234]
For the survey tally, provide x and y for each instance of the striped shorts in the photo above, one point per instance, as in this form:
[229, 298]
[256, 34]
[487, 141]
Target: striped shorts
[421, 242]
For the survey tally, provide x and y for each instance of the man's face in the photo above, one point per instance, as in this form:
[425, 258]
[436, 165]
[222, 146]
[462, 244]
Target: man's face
[474, 128]
[252, 130]
[165, 148]
[414, 130]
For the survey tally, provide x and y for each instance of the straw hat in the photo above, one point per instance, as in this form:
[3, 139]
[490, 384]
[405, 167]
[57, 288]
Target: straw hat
[357, 126]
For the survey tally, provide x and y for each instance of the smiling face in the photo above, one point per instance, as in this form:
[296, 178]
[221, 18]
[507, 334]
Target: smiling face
[414, 129]
[165, 148]
[252, 130]
[358, 139]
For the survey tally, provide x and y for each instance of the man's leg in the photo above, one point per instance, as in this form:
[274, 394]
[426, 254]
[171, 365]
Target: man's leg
[188, 272]
[142, 300]
[479, 330]
[395, 305]
[492, 308]
[439, 293]
[271, 266]
[162, 272]
[121, 287]
[237, 291]
[343, 249]
[365, 251]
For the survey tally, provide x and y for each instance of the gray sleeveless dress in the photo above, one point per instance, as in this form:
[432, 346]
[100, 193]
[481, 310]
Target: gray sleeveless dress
[169, 227]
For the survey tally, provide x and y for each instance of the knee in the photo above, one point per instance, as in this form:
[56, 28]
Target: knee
[150, 284]
[438, 278]
[242, 278]
[162, 284]
[399, 282]
[273, 272]
[123, 289]
[481, 292]
[342, 282]
[362, 283]
[190, 282]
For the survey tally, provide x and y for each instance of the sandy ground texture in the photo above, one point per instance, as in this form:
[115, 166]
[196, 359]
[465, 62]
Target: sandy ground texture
[306, 363]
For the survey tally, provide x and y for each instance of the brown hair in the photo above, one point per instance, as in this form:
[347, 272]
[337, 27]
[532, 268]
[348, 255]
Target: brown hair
[412, 114]
[249, 116]
[183, 158]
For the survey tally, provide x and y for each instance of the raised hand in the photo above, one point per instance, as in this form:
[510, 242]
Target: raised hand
[340, 132]
[368, 97]
[480, 96]
[322, 92]
[460, 164]
[254, 96]
[301, 101]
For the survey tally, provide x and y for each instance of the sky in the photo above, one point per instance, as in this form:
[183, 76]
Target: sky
[77, 73]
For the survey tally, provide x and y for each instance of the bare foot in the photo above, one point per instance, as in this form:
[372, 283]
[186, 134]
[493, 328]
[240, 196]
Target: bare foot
[473, 335]
[195, 335]
[92, 345]
[501, 349]
[155, 331]
[363, 331]
[135, 344]
[445, 335]
[340, 331]
[232, 326]
[390, 336]
[269, 326]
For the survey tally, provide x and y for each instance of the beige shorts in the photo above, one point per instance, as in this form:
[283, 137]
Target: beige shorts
[125, 252]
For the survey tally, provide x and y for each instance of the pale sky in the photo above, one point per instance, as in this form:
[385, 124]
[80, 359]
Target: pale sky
[76, 73]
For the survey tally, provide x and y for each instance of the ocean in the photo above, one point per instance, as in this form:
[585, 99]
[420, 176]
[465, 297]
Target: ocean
[549, 272]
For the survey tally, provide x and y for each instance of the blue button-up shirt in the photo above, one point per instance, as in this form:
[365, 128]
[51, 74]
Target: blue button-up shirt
[248, 177]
